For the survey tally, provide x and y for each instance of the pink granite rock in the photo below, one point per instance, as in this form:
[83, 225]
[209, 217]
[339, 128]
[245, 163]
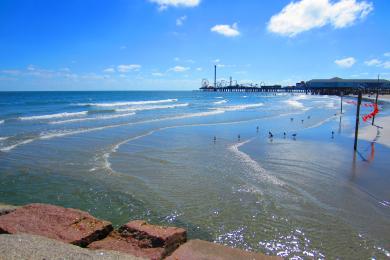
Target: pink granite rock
[116, 242]
[144, 240]
[198, 249]
[68, 225]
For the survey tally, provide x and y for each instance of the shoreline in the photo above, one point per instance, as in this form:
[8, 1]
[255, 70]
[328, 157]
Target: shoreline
[381, 98]
[379, 133]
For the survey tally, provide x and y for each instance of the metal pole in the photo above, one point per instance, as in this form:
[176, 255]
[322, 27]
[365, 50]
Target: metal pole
[357, 120]
[376, 100]
[341, 108]
[215, 76]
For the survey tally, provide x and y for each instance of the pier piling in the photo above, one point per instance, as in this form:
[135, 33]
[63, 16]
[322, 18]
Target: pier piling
[357, 120]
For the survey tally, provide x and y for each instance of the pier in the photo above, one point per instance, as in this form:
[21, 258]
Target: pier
[333, 86]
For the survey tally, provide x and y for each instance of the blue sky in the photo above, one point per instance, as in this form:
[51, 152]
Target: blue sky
[173, 44]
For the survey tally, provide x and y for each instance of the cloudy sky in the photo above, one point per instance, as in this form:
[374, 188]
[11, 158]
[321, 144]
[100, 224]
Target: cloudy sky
[173, 44]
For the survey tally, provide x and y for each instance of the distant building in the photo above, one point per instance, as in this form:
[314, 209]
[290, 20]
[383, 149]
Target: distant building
[347, 83]
[336, 85]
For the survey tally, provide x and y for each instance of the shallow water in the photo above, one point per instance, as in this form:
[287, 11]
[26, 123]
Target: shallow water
[152, 155]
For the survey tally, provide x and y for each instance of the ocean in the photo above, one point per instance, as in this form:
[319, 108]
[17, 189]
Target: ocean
[205, 162]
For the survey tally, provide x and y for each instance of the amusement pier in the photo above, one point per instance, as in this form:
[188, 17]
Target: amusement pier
[333, 86]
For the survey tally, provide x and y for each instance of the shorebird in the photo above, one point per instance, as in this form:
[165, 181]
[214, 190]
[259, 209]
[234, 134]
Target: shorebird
[238, 136]
[294, 136]
[284, 134]
[270, 135]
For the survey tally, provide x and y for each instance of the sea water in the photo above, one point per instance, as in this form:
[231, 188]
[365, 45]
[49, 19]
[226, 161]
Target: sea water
[205, 162]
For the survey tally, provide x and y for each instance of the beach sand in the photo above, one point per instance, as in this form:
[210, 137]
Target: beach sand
[370, 133]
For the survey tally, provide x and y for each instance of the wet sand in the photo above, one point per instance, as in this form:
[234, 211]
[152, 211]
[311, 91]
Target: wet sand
[378, 134]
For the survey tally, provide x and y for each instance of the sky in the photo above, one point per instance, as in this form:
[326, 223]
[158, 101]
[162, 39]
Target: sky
[174, 44]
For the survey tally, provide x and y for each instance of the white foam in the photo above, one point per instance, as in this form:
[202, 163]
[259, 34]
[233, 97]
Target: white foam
[59, 115]
[92, 118]
[252, 164]
[240, 107]
[9, 148]
[322, 122]
[118, 104]
[1, 122]
[220, 102]
[294, 103]
[142, 108]
[56, 134]
[3, 138]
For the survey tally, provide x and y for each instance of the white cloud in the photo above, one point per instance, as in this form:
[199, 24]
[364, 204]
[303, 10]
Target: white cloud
[226, 30]
[216, 61]
[304, 15]
[346, 62]
[179, 69]
[199, 69]
[164, 4]
[109, 70]
[373, 62]
[378, 63]
[157, 74]
[129, 67]
[11, 72]
[387, 54]
[180, 21]
[386, 64]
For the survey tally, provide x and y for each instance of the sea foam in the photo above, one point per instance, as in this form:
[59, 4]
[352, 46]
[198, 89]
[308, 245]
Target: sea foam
[220, 102]
[240, 107]
[50, 116]
[253, 166]
[129, 103]
[142, 108]
[92, 118]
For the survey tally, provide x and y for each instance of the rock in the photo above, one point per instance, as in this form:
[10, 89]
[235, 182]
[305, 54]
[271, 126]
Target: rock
[5, 209]
[32, 247]
[68, 225]
[116, 242]
[202, 250]
[159, 236]
[142, 239]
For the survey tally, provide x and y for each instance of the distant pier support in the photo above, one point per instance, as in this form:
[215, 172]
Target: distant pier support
[267, 89]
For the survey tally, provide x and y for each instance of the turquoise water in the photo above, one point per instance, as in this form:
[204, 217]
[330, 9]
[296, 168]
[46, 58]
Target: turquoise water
[152, 155]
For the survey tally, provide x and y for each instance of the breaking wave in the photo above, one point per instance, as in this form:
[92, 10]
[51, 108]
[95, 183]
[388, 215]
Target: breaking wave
[92, 118]
[141, 108]
[63, 133]
[220, 102]
[9, 148]
[59, 115]
[294, 103]
[118, 104]
[240, 107]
